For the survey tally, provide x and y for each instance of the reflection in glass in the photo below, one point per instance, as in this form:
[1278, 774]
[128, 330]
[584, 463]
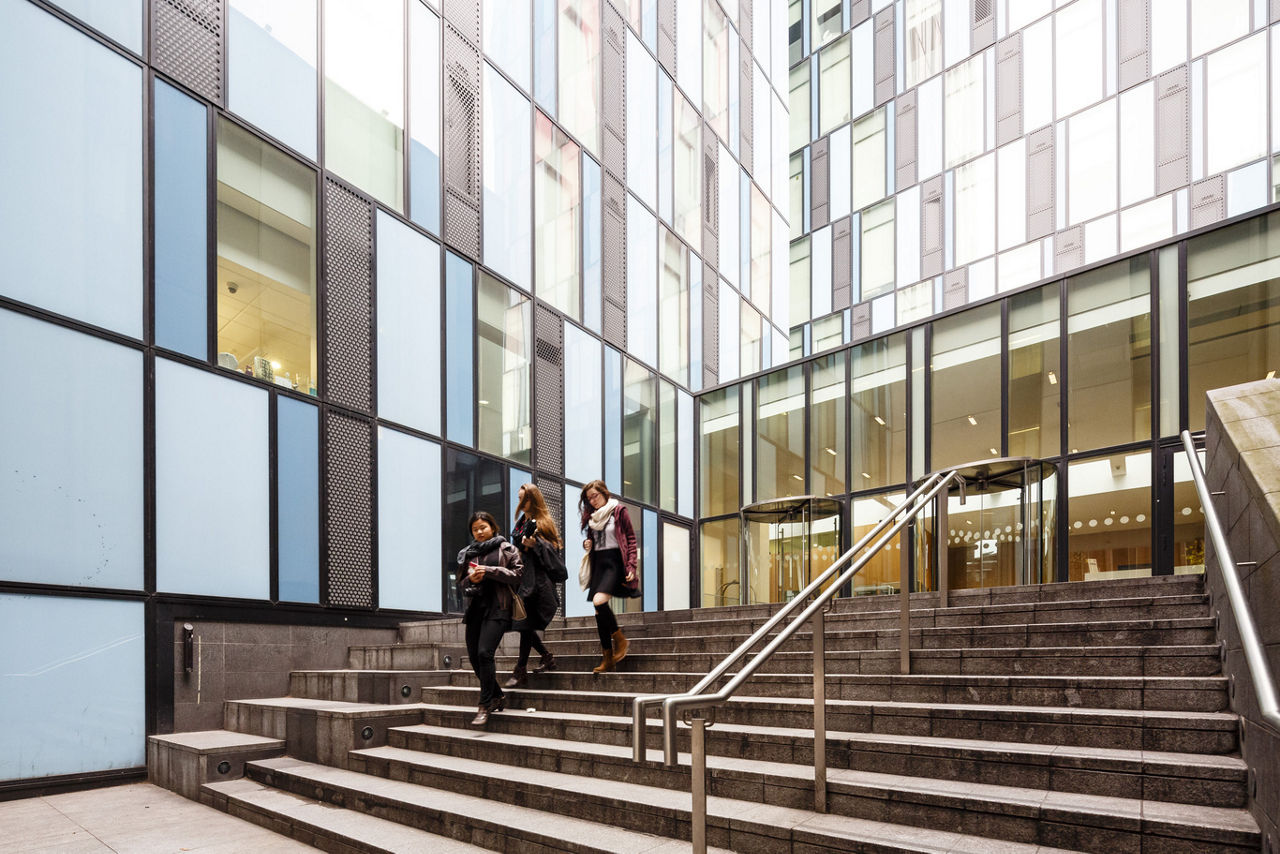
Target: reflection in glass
[780, 467]
[506, 39]
[878, 250]
[879, 415]
[750, 349]
[676, 554]
[557, 217]
[667, 472]
[687, 173]
[639, 433]
[1109, 355]
[826, 424]
[266, 282]
[799, 101]
[883, 572]
[924, 40]
[579, 55]
[508, 190]
[424, 117]
[471, 483]
[504, 345]
[1188, 518]
[673, 326]
[827, 22]
[1035, 390]
[795, 31]
[1109, 517]
[715, 68]
[720, 561]
[833, 85]
[719, 434]
[965, 373]
[271, 68]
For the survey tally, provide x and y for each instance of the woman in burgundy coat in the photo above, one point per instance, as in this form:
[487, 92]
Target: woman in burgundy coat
[611, 549]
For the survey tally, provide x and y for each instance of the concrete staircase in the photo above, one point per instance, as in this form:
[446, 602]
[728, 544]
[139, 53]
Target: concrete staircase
[1082, 717]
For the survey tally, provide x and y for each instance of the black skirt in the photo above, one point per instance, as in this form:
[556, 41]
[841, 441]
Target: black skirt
[608, 575]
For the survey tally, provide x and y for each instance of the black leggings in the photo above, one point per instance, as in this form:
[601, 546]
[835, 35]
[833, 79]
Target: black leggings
[606, 625]
[483, 637]
[529, 640]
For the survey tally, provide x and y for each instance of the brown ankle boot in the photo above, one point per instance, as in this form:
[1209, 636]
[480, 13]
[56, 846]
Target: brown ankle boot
[482, 716]
[606, 663]
[620, 644]
[519, 678]
[546, 664]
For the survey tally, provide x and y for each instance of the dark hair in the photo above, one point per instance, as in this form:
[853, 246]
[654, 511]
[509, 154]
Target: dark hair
[535, 507]
[485, 516]
[584, 506]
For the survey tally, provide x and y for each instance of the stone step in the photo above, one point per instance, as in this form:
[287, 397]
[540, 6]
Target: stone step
[324, 825]
[572, 803]
[1217, 781]
[1087, 822]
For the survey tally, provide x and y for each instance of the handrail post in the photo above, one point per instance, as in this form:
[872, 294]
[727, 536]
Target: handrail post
[819, 711]
[941, 533]
[904, 600]
[698, 784]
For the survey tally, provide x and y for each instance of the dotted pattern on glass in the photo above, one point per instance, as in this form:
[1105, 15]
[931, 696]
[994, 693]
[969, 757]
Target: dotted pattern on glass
[615, 263]
[461, 144]
[187, 44]
[348, 349]
[548, 378]
[349, 510]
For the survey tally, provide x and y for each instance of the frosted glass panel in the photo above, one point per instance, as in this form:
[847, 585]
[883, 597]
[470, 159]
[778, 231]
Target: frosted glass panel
[212, 501]
[507, 26]
[460, 348]
[271, 68]
[71, 223]
[582, 414]
[73, 677]
[70, 485]
[408, 305]
[675, 567]
[508, 179]
[409, 510]
[298, 499]
[119, 19]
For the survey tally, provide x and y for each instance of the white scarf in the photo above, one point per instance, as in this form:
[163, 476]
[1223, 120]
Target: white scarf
[600, 518]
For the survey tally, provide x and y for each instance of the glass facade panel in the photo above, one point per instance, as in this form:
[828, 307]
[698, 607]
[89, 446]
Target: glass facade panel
[676, 555]
[1233, 309]
[642, 122]
[121, 20]
[667, 492]
[459, 342]
[508, 179]
[212, 478]
[364, 95]
[71, 486]
[673, 326]
[557, 217]
[648, 560]
[1108, 517]
[801, 264]
[71, 225]
[504, 343]
[1035, 393]
[878, 425]
[883, 572]
[828, 393]
[639, 434]
[965, 377]
[583, 410]
[796, 185]
[833, 86]
[298, 499]
[579, 54]
[612, 416]
[1109, 355]
[424, 117]
[761, 243]
[642, 282]
[799, 102]
[181, 223]
[471, 483]
[924, 40]
[576, 603]
[684, 452]
[544, 55]
[592, 246]
[878, 250]
[751, 351]
[780, 439]
[1235, 105]
[715, 69]
[73, 675]
[1188, 518]
[721, 561]
[964, 114]
[506, 39]
[687, 173]
[719, 449]
[408, 295]
[271, 68]
[266, 280]
[408, 533]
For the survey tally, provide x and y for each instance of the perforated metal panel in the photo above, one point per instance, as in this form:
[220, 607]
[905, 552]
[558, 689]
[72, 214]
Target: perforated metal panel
[841, 263]
[1275, 11]
[860, 321]
[1041, 184]
[859, 11]
[904, 140]
[1173, 130]
[548, 390]
[1068, 249]
[710, 195]
[819, 184]
[1134, 35]
[885, 55]
[348, 314]
[710, 326]
[187, 43]
[553, 492]
[667, 35]
[348, 510]
[464, 15]
[1208, 201]
[931, 228]
[1009, 89]
[746, 124]
[984, 25]
[615, 262]
[462, 175]
[745, 21]
[614, 56]
[955, 288]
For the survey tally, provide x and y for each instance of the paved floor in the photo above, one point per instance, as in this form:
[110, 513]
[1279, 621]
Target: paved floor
[138, 818]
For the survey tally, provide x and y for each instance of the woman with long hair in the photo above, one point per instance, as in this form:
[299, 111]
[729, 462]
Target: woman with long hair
[611, 550]
[536, 536]
[489, 569]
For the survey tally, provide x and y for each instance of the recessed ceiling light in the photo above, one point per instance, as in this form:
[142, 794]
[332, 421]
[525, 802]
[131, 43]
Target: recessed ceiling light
[484, 403]
[1053, 378]
[879, 420]
[867, 476]
[973, 421]
[830, 451]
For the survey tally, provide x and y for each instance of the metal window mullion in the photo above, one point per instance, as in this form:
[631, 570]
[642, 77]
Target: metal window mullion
[273, 496]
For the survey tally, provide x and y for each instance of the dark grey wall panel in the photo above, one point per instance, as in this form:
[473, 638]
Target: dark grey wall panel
[885, 56]
[187, 43]
[841, 263]
[614, 56]
[819, 183]
[955, 288]
[983, 23]
[348, 304]
[615, 262]
[1208, 201]
[348, 510]
[548, 390]
[464, 15]
[462, 175]
[710, 326]
[1009, 89]
[1134, 36]
[1041, 183]
[904, 140]
[1173, 130]
[1068, 249]
[932, 239]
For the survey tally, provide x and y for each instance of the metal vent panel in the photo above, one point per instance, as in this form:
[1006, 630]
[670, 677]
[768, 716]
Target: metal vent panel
[615, 262]
[1208, 201]
[859, 11]
[1068, 249]
[614, 51]
[1173, 130]
[931, 228]
[349, 505]
[955, 288]
[667, 35]
[819, 184]
[553, 493]
[462, 175]
[464, 16]
[905, 140]
[1134, 34]
[710, 199]
[1041, 186]
[187, 43]
[548, 380]
[860, 321]
[841, 263]
[885, 56]
[745, 19]
[983, 32]
[746, 121]
[348, 314]
[1009, 89]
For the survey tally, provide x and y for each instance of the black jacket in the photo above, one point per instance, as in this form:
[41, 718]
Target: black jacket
[536, 587]
[491, 598]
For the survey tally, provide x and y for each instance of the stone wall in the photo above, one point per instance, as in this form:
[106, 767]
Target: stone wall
[1242, 449]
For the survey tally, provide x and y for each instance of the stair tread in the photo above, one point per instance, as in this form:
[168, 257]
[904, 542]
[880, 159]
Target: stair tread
[338, 822]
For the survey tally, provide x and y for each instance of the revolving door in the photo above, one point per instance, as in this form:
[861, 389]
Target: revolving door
[786, 542]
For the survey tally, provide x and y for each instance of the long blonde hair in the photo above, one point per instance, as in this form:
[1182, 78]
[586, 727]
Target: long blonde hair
[534, 506]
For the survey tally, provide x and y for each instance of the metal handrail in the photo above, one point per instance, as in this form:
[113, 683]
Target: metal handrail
[640, 704]
[1263, 682]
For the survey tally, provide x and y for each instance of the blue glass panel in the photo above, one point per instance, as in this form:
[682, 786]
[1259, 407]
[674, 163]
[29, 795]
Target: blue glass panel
[459, 349]
[409, 577]
[70, 483]
[298, 499]
[118, 19]
[685, 440]
[408, 305]
[612, 417]
[516, 478]
[181, 222]
[582, 378]
[507, 29]
[424, 117]
[649, 23]
[271, 68]
[212, 499]
[592, 244]
[71, 222]
[73, 679]
[649, 561]
[544, 55]
[508, 179]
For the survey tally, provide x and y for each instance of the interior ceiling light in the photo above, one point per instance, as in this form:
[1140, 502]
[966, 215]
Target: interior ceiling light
[798, 477]
[879, 420]
[867, 476]
[1271, 375]
[484, 403]
[994, 452]
[830, 451]
[973, 421]
[1053, 378]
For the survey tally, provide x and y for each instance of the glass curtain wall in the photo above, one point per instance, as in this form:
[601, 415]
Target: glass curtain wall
[639, 433]
[1035, 389]
[557, 207]
[827, 400]
[721, 561]
[965, 388]
[504, 348]
[780, 434]
[719, 448]
[878, 420]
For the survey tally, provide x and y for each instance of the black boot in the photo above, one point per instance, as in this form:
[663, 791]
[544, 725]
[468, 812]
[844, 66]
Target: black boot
[546, 664]
[519, 678]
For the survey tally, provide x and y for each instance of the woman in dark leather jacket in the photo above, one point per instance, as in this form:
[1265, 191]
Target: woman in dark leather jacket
[489, 569]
